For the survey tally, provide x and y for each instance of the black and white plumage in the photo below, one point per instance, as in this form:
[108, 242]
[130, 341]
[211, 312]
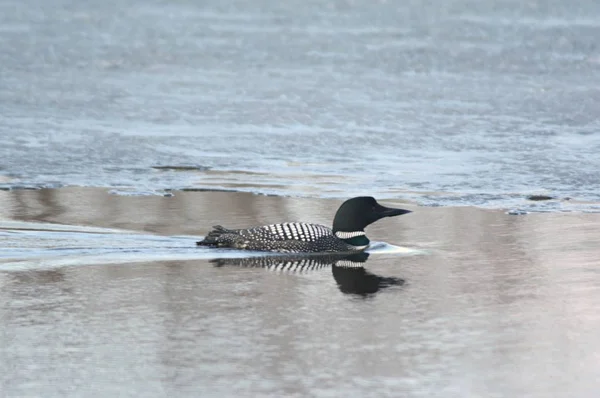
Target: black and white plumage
[298, 263]
[347, 234]
[348, 269]
[282, 238]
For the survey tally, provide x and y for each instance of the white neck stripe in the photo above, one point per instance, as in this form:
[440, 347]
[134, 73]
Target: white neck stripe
[349, 235]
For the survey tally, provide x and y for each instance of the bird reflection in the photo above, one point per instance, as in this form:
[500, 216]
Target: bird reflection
[347, 269]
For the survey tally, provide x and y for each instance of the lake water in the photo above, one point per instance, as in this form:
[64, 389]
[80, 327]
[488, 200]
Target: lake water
[458, 110]
[441, 102]
[106, 294]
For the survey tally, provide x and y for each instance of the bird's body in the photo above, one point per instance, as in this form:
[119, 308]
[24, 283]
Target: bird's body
[347, 234]
[282, 238]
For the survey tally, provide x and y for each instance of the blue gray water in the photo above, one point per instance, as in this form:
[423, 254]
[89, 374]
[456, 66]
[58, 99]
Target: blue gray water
[442, 102]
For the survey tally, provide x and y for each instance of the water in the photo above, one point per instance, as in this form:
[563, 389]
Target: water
[106, 294]
[458, 110]
[443, 103]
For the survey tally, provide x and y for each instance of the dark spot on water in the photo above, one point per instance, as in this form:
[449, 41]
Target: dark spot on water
[181, 168]
[540, 197]
[25, 187]
[208, 190]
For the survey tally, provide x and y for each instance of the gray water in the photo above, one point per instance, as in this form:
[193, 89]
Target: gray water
[105, 295]
[440, 102]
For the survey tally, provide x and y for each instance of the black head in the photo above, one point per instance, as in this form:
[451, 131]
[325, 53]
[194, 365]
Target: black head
[356, 213]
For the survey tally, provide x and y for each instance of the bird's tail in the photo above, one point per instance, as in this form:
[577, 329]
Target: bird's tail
[213, 237]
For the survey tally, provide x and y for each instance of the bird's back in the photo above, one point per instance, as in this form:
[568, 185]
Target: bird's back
[283, 238]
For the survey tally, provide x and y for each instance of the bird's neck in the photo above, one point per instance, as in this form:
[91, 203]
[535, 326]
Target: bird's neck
[354, 238]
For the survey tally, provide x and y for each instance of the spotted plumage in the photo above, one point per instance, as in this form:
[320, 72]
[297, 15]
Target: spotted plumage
[347, 234]
[295, 263]
[348, 269]
[282, 238]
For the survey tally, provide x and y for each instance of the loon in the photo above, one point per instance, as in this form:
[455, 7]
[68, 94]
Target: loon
[347, 235]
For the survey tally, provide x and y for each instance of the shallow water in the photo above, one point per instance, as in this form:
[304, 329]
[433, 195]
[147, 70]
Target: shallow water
[442, 102]
[486, 304]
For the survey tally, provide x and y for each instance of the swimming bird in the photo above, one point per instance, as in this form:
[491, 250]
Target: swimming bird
[347, 235]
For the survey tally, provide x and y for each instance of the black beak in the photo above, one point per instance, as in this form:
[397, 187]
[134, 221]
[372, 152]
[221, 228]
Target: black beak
[390, 212]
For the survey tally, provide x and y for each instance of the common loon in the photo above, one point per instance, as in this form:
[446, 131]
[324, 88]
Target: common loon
[347, 235]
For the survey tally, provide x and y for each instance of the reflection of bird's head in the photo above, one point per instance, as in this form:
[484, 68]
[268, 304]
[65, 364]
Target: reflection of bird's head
[355, 279]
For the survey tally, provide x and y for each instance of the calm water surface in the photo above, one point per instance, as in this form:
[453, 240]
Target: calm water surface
[487, 304]
[442, 102]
